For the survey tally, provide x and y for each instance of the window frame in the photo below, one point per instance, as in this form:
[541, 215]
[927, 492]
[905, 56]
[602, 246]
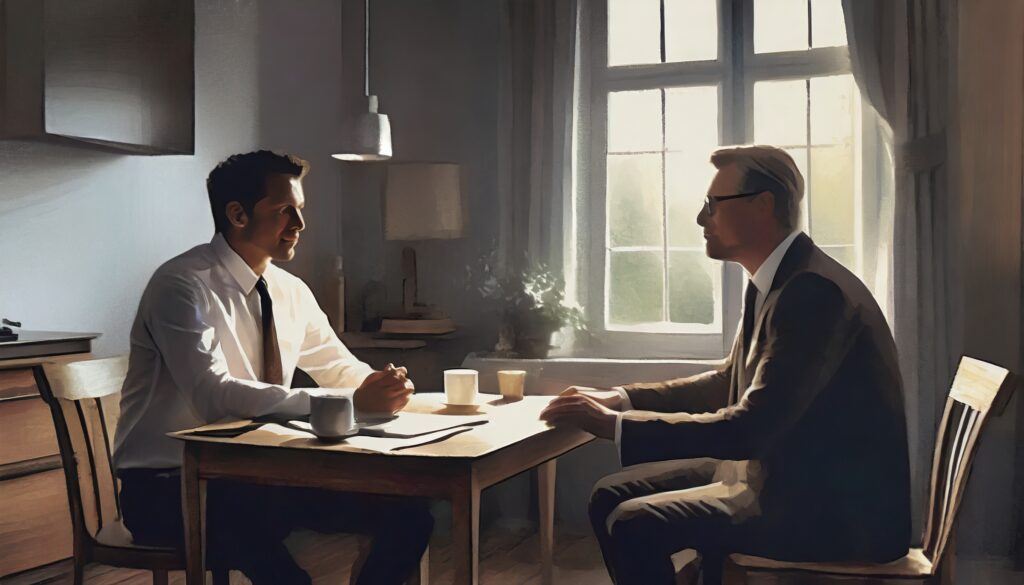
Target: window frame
[735, 71]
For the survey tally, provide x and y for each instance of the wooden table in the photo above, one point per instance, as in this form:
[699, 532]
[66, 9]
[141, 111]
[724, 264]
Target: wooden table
[456, 469]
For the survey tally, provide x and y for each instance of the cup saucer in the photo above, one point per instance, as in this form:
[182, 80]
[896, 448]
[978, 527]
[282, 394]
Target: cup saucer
[308, 428]
[462, 408]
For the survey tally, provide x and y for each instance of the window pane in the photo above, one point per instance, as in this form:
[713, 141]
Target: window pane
[832, 109]
[828, 29]
[780, 25]
[691, 287]
[691, 118]
[635, 287]
[831, 189]
[634, 32]
[687, 176]
[691, 30]
[780, 112]
[634, 121]
[634, 200]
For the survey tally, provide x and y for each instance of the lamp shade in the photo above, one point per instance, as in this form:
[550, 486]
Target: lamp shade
[368, 137]
[422, 201]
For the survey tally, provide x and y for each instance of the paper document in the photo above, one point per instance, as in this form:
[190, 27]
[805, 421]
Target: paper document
[415, 424]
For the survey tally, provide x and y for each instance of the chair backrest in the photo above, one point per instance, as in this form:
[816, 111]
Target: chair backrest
[976, 387]
[84, 399]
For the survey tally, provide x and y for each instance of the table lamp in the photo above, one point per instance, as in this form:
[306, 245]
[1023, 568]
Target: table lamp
[422, 201]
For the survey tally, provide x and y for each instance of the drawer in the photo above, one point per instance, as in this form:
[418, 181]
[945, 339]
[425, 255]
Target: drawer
[35, 525]
[26, 430]
[17, 382]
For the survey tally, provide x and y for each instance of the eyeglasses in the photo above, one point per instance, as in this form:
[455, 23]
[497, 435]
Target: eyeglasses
[710, 202]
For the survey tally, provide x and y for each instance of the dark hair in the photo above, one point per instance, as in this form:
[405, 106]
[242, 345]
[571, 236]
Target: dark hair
[243, 178]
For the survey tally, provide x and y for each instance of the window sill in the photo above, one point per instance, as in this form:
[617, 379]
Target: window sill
[549, 376]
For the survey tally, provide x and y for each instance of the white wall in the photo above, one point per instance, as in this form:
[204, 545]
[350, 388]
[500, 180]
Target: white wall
[82, 230]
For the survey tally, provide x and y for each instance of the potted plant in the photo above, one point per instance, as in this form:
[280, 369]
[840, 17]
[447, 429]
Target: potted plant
[531, 303]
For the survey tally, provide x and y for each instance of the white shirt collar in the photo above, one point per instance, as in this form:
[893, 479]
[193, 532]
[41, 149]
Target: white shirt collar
[765, 274]
[234, 263]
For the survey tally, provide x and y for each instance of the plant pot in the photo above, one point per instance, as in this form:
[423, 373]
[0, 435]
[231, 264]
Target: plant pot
[533, 347]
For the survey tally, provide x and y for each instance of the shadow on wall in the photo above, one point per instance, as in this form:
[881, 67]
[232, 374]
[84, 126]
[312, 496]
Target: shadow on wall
[39, 174]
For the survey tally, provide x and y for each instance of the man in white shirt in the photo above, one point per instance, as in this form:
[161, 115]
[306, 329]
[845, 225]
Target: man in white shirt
[794, 448]
[219, 332]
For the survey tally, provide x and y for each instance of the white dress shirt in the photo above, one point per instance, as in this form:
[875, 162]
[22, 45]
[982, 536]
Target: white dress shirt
[762, 280]
[197, 352]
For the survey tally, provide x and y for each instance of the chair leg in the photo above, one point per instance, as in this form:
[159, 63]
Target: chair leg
[357, 565]
[79, 572]
[159, 577]
[221, 577]
[421, 574]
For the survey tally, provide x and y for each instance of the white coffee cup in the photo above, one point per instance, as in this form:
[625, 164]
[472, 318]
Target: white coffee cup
[512, 383]
[331, 416]
[460, 386]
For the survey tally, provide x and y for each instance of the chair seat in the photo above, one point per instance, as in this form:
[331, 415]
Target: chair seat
[117, 535]
[913, 564]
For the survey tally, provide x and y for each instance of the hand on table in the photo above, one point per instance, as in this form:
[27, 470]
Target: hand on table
[385, 391]
[583, 411]
[608, 398]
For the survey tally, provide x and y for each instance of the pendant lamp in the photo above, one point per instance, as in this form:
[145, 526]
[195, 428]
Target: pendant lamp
[368, 137]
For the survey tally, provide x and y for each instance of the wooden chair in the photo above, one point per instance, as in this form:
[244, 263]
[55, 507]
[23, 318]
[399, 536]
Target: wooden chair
[978, 389]
[84, 398]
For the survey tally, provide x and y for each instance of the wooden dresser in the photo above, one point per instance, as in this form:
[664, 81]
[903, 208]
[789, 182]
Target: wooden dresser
[35, 525]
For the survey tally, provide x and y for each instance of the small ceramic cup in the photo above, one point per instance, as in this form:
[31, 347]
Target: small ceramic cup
[331, 416]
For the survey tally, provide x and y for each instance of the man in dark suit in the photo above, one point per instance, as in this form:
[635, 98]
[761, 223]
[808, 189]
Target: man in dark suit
[795, 447]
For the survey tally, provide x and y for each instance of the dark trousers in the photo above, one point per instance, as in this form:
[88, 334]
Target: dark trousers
[646, 513]
[246, 525]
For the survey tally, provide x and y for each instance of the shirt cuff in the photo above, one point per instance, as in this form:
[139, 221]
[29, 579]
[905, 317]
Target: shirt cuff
[627, 404]
[618, 436]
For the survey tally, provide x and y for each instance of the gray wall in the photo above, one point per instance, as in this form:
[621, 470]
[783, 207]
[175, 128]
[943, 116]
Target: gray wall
[82, 230]
[434, 66]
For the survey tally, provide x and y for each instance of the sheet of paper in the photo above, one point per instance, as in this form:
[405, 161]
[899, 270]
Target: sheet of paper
[414, 424]
[373, 444]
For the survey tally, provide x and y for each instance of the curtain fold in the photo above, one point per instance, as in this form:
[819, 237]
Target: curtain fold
[900, 56]
[537, 96]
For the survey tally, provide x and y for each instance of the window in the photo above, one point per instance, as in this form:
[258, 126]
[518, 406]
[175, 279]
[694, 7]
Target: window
[668, 81]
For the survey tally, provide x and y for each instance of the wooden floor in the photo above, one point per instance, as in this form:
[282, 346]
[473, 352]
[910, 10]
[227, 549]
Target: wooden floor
[507, 557]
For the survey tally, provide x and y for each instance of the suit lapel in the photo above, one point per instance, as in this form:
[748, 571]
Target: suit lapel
[795, 257]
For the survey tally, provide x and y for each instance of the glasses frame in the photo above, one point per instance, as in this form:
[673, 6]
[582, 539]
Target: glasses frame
[710, 201]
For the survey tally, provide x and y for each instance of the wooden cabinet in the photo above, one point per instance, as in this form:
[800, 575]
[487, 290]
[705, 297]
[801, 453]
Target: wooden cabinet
[116, 73]
[35, 524]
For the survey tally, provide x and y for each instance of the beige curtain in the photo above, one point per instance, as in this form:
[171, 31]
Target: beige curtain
[900, 57]
[537, 88]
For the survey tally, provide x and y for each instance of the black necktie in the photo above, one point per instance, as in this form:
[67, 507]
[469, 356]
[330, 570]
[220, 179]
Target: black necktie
[749, 302]
[271, 352]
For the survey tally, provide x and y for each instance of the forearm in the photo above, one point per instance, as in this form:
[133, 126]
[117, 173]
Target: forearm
[703, 392]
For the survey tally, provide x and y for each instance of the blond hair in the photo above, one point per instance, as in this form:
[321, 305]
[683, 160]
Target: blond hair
[767, 168]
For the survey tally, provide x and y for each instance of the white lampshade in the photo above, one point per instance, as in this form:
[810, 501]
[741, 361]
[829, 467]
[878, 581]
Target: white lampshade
[368, 137]
[423, 202]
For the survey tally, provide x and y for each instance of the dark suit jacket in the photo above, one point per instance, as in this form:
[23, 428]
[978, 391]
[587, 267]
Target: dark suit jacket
[817, 400]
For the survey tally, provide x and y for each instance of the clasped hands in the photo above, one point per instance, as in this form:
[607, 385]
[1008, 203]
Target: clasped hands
[384, 391]
[589, 409]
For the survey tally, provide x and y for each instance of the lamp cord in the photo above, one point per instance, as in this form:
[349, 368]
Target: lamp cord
[366, 48]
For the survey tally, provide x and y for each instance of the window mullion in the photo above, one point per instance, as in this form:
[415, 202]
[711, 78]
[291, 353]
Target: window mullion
[664, 215]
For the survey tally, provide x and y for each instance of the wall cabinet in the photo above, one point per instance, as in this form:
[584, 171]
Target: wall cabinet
[119, 74]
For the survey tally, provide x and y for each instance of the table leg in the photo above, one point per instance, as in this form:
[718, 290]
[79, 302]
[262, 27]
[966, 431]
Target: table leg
[466, 531]
[546, 501]
[193, 507]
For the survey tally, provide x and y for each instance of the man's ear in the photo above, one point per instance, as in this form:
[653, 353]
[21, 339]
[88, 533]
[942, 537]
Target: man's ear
[236, 214]
[766, 202]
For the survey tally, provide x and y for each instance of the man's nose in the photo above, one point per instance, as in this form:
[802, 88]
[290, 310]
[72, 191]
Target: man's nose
[702, 216]
[299, 221]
